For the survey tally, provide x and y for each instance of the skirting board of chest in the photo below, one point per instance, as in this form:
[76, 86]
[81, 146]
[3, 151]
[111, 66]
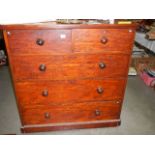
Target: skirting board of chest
[69, 76]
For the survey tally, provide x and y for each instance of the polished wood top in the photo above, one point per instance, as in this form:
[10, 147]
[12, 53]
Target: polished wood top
[53, 25]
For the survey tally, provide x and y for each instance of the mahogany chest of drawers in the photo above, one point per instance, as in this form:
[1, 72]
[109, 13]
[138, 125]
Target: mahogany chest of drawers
[69, 76]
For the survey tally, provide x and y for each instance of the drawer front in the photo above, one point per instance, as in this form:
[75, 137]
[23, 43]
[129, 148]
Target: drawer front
[67, 67]
[39, 41]
[49, 115]
[103, 40]
[69, 91]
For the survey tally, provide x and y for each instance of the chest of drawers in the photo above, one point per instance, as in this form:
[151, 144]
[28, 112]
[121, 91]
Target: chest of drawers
[69, 76]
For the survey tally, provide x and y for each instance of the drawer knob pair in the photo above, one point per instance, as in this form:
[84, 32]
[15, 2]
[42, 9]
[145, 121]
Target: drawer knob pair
[40, 42]
[48, 116]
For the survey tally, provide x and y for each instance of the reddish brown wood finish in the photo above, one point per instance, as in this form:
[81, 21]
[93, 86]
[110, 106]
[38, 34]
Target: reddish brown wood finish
[74, 105]
[91, 40]
[69, 126]
[25, 41]
[109, 111]
[50, 25]
[70, 89]
[69, 67]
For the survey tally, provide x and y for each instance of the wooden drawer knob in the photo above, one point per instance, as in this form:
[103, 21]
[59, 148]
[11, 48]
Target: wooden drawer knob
[45, 93]
[40, 42]
[42, 67]
[102, 65]
[100, 90]
[47, 115]
[104, 40]
[97, 112]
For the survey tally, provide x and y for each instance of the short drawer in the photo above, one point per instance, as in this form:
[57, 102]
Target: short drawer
[103, 40]
[106, 111]
[68, 67]
[39, 41]
[69, 91]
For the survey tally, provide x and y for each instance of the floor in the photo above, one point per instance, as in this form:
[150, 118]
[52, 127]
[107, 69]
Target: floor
[138, 113]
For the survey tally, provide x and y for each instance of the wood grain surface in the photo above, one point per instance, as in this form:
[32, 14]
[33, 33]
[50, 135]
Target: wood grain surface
[69, 76]
[69, 67]
[69, 91]
[50, 115]
[69, 126]
[24, 41]
[90, 40]
[50, 25]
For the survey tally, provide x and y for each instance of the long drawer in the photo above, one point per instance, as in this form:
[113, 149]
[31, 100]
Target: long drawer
[67, 67]
[69, 91]
[39, 41]
[102, 40]
[45, 115]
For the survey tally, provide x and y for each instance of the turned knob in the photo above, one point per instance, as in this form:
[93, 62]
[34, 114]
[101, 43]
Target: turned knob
[42, 67]
[97, 112]
[45, 93]
[102, 65]
[47, 115]
[40, 42]
[100, 90]
[104, 40]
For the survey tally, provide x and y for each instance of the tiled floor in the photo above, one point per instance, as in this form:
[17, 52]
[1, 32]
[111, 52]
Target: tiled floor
[138, 114]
